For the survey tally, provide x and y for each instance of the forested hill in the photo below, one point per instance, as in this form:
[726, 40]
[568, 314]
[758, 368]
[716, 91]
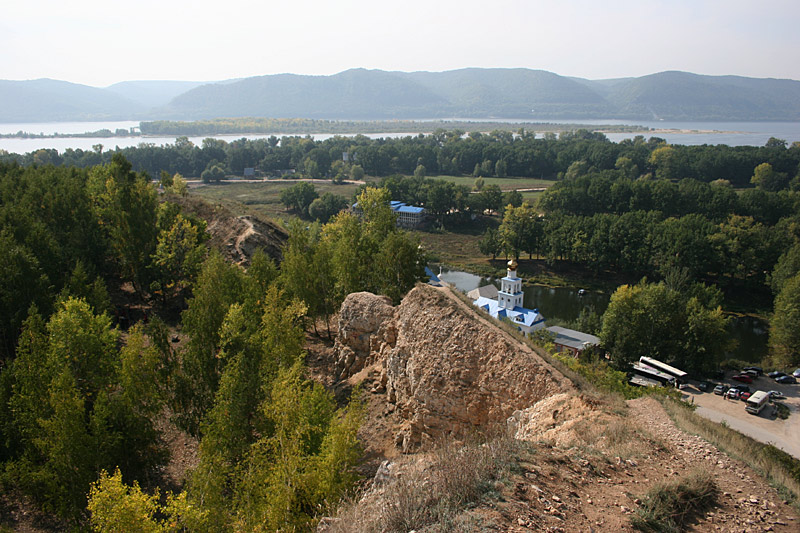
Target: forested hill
[480, 93]
[47, 100]
[375, 94]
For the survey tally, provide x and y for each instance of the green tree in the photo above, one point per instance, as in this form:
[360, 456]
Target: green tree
[178, 186]
[22, 284]
[492, 197]
[764, 177]
[356, 173]
[440, 199]
[72, 418]
[784, 335]
[656, 321]
[165, 181]
[219, 285]
[80, 286]
[491, 243]
[787, 267]
[178, 256]
[774, 142]
[516, 228]
[327, 205]
[214, 171]
[628, 168]
[311, 168]
[666, 163]
[299, 196]
[513, 198]
[378, 217]
[126, 205]
[115, 506]
[501, 168]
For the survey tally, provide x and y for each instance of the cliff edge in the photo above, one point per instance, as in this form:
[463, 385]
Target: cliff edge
[445, 371]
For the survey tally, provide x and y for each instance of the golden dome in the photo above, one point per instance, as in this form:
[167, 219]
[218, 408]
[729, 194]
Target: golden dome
[512, 265]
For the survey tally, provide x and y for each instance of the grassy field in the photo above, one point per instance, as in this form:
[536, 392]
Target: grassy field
[456, 245]
[506, 184]
[263, 198]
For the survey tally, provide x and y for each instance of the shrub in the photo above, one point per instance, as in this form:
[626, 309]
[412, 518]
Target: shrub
[670, 506]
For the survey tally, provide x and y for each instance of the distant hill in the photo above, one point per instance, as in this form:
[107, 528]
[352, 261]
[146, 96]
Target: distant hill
[360, 94]
[353, 94]
[152, 93]
[686, 96]
[47, 100]
[492, 93]
[510, 93]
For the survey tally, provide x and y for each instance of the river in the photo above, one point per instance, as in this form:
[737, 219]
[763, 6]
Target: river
[688, 133]
[565, 304]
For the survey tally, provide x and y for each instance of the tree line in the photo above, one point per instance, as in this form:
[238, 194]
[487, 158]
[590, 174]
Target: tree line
[453, 152]
[677, 232]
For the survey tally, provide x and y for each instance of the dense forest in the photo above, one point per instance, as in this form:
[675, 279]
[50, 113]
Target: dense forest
[116, 319]
[499, 153]
[95, 361]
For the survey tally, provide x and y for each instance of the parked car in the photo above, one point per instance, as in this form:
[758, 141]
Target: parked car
[741, 388]
[719, 390]
[776, 374]
[776, 395]
[744, 396]
[705, 386]
[786, 379]
[757, 369]
[796, 373]
[732, 394]
[744, 378]
[752, 373]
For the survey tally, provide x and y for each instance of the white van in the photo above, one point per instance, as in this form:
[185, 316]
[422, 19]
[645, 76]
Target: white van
[756, 402]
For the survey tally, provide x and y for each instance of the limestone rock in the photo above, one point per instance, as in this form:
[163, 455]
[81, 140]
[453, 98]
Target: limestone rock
[446, 369]
[360, 319]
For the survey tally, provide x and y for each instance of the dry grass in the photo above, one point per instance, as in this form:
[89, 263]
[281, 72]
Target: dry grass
[779, 468]
[433, 498]
[670, 507]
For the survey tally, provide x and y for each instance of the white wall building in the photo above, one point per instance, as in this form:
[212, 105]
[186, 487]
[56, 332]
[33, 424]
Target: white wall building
[508, 303]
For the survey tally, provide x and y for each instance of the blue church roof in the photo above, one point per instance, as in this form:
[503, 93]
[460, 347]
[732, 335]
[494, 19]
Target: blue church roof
[433, 278]
[518, 315]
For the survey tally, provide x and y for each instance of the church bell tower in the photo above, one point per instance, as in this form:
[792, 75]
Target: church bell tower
[510, 294]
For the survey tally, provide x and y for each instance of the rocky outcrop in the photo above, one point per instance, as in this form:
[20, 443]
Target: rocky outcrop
[562, 420]
[365, 325]
[446, 370]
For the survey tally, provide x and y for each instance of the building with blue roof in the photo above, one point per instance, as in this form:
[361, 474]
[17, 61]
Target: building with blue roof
[508, 303]
[407, 216]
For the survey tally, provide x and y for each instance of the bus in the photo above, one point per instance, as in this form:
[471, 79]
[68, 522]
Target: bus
[757, 402]
[679, 375]
[654, 374]
[640, 381]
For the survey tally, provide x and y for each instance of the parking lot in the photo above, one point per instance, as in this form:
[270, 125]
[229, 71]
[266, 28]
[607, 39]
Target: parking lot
[764, 427]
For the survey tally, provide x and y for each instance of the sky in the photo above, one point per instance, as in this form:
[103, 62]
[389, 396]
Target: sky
[101, 42]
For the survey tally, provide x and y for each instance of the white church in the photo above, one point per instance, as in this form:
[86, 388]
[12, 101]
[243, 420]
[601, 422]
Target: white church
[508, 302]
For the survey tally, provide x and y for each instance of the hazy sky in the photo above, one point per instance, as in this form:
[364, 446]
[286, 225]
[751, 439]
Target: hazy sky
[100, 42]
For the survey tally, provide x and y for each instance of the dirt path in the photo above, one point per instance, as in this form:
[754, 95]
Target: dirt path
[746, 501]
